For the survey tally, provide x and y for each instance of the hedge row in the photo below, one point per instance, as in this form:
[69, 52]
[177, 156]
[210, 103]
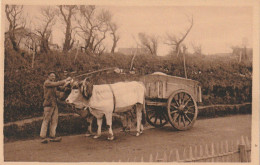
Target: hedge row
[223, 80]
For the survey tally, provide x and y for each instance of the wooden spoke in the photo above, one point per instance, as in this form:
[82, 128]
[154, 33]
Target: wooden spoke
[173, 106]
[190, 113]
[179, 98]
[176, 102]
[152, 116]
[190, 106]
[185, 104]
[174, 112]
[156, 117]
[160, 119]
[183, 120]
[187, 118]
[177, 118]
[179, 121]
[183, 96]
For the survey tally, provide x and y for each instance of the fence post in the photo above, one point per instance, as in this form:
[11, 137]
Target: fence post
[142, 159]
[196, 152]
[190, 153]
[212, 152]
[248, 146]
[206, 151]
[247, 142]
[170, 155]
[242, 153]
[164, 157]
[226, 151]
[242, 140]
[177, 155]
[232, 149]
[156, 157]
[237, 148]
[184, 158]
[222, 151]
[201, 151]
[151, 158]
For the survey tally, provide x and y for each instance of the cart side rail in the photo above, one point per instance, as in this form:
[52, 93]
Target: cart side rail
[162, 86]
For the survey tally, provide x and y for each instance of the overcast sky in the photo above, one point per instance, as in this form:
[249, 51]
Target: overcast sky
[215, 28]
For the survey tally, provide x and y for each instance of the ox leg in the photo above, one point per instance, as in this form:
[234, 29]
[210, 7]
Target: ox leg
[138, 118]
[141, 128]
[128, 118]
[99, 123]
[125, 121]
[109, 123]
[110, 131]
[89, 121]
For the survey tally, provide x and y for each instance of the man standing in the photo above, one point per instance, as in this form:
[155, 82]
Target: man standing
[50, 115]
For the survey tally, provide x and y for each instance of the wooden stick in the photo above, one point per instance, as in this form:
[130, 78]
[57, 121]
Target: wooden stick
[100, 70]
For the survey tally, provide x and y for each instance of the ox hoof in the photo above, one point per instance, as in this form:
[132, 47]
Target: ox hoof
[96, 136]
[111, 138]
[138, 134]
[88, 135]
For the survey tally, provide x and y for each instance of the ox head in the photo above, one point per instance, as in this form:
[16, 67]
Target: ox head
[80, 93]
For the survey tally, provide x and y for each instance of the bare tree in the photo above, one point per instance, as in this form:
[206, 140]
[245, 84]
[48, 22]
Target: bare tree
[45, 29]
[184, 61]
[14, 14]
[175, 41]
[197, 48]
[114, 27]
[93, 28]
[150, 43]
[67, 12]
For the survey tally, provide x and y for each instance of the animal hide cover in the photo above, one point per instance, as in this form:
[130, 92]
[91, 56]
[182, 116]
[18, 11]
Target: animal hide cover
[126, 94]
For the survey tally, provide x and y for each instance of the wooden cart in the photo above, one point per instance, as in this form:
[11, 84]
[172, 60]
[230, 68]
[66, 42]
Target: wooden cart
[171, 99]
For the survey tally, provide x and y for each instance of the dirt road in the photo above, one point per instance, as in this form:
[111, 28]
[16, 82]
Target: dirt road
[82, 149]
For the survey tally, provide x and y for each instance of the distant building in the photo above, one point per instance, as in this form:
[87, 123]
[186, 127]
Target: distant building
[21, 38]
[131, 51]
[27, 40]
[54, 47]
[243, 53]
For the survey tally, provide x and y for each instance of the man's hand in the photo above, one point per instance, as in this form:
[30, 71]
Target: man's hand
[68, 79]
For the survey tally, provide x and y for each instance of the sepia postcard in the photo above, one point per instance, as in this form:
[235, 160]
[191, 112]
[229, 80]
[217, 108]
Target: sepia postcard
[130, 81]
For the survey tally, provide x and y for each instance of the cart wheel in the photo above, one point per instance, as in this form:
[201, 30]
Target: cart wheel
[156, 116]
[182, 110]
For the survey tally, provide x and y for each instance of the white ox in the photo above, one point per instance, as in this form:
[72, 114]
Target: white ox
[107, 99]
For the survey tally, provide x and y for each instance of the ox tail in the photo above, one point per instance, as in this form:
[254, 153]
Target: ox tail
[143, 121]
